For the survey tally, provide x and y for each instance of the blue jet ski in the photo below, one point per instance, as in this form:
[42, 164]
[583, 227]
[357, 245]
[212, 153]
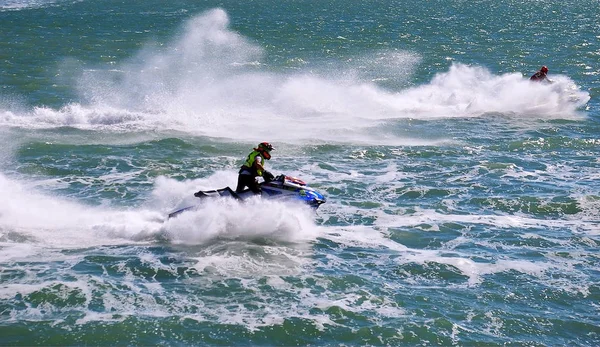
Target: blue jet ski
[281, 187]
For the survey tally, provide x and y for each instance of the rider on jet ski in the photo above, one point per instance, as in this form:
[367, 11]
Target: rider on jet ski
[541, 75]
[280, 188]
[253, 167]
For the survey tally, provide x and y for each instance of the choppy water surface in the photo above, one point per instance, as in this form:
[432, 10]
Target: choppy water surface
[462, 200]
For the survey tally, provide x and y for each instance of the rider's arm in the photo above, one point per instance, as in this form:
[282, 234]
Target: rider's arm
[257, 164]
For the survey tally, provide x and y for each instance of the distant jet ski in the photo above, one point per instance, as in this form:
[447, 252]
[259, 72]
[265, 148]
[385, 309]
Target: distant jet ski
[281, 187]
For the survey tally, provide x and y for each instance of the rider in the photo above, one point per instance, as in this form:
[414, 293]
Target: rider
[254, 166]
[540, 75]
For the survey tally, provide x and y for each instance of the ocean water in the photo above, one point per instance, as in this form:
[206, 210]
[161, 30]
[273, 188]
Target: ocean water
[462, 199]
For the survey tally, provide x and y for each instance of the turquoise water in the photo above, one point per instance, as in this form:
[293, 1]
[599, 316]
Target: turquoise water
[462, 200]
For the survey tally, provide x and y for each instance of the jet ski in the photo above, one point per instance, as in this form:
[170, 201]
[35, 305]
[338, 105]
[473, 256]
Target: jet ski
[282, 187]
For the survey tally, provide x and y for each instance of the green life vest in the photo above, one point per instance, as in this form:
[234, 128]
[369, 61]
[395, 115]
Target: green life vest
[249, 164]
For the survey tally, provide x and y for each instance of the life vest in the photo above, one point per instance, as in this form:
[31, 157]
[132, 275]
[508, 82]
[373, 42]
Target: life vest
[249, 163]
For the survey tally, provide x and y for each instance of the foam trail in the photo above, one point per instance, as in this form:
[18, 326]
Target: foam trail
[211, 81]
[466, 91]
[62, 223]
[65, 223]
[228, 218]
[16, 5]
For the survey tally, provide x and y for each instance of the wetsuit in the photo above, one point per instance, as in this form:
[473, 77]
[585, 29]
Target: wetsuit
[538, 77]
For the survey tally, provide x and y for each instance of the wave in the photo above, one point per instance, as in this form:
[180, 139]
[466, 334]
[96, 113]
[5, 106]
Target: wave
[19, 5]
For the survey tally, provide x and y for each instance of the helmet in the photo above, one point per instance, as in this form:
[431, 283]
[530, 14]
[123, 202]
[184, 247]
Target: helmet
[264, 148]
[544, 69]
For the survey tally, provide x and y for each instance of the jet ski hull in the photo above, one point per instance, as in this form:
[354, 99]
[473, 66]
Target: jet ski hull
[283, 187]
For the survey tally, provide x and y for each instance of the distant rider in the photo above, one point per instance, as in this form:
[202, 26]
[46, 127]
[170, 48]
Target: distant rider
[254, 167]
[540, 76]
